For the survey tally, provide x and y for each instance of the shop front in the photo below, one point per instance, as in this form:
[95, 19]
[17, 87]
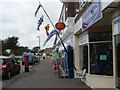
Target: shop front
[116, 38]
[117, 52]
[96, 56]
[96, 47]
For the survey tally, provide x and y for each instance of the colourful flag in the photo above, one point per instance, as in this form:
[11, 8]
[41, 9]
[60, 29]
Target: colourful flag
[47, 29]
[37, 9]
[40, 22]
[49, 37]
[47, 33]
[54, 56]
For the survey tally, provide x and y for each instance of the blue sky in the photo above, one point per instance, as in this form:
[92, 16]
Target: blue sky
[17, 19]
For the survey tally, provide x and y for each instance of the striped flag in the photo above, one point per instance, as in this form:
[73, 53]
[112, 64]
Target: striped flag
[37, 9]
[49, 37]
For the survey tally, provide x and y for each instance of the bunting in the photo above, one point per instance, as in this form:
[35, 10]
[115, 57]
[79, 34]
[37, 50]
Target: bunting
[49, 36]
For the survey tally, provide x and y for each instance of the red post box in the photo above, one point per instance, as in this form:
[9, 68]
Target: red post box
[26, 63]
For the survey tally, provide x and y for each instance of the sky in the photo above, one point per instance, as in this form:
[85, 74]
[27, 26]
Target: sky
[17, 19]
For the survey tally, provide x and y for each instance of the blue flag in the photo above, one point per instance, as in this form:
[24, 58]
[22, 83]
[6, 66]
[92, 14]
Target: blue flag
[49, 37]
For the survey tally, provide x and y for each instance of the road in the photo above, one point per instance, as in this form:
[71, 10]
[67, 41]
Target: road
[43, 76]
[6, 81]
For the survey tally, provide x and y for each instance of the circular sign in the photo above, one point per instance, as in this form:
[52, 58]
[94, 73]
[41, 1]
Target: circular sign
[60, 25]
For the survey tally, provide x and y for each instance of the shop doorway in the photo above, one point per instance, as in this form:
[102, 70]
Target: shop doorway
[117, 49]
[84, 57]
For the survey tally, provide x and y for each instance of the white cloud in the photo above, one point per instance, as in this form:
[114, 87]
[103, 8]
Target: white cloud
[17, 19]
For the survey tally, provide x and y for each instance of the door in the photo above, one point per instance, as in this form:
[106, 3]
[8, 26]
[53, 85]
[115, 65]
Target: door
[117, 52]
[85, 58]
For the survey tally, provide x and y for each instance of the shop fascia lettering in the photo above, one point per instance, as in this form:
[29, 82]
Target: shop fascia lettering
[84, 39]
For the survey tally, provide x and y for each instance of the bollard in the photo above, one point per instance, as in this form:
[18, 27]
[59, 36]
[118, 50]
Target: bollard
[26, 63]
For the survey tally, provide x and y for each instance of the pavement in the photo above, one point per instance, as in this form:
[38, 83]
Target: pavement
[42, 76]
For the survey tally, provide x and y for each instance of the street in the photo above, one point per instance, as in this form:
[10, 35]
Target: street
[42, 76]
[6, 81]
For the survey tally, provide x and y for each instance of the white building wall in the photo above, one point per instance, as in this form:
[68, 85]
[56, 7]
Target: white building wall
[115, 14]
[76, 52]
[69, 29]
[78, 26]
[105, 3]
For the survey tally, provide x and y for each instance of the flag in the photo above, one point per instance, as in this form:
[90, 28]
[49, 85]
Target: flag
[47, 33]
[40, 22]
[37, 9]
[47, 29]
[49, 37]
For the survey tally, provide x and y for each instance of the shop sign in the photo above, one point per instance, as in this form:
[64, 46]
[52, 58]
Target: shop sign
[83, 40]
[60, 25]
[91, 15]
[103, 57]
[116, 25]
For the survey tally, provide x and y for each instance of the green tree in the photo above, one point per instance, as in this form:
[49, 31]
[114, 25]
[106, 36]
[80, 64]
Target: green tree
[10, 43]
[13, 44]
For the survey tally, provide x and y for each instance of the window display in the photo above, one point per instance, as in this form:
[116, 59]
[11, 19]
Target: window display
[101, 59]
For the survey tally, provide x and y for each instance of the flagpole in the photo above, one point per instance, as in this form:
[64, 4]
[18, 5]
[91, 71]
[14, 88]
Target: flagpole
[47, 16]
[54, 27]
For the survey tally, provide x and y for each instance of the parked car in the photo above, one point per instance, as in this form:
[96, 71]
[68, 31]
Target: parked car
[9, 66]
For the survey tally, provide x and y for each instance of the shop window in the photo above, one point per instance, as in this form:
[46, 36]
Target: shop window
[100, 36]
[101, 59]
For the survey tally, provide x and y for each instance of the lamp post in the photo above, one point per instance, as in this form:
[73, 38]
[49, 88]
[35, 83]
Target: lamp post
[39, 46]
[39, 41]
